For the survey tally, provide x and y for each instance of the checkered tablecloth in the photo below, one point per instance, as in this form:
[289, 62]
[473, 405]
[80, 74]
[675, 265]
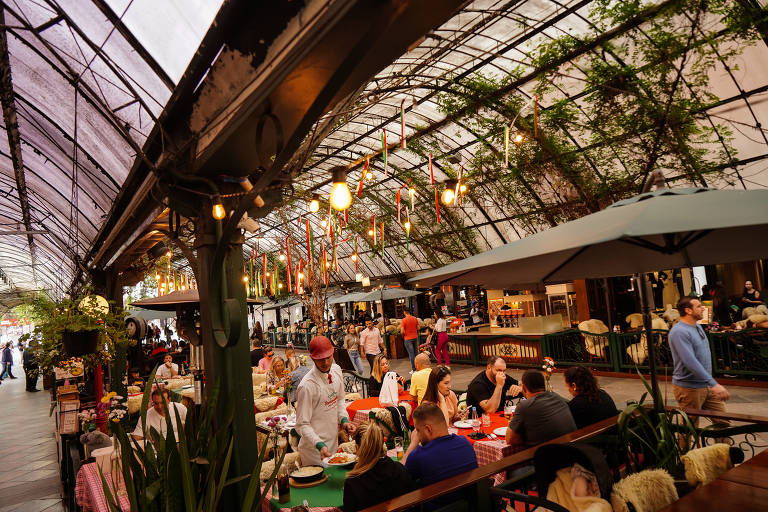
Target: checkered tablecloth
[491, 451]
[89, 493]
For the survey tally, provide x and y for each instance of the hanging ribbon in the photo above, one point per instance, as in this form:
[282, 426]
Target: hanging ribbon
[382, 238]
[437, 205]
[506, 146]
[535, 115]
[402, 123]
[357, 256]
[397, 204]
[325, 267]
[264, 270]
[362, 177]
[288, 261]
[374, 229]
[309, 251]
[412, 195]
[275, 278]
[384, 150]
[431, 173]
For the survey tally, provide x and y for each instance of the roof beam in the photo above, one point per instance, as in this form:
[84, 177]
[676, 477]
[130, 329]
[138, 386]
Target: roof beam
[14, 137]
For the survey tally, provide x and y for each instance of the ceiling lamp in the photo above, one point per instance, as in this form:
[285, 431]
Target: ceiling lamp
[281, 257]
[280, 285]
[245, 279]
[519, 137]
[370, 232]
[407, 226]
[218, 211]
[340, 198]
[449, 193]
[324, 223]
[314, 204]
[462, 188]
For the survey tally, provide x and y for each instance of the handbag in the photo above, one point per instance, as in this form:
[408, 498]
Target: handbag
[389, 393]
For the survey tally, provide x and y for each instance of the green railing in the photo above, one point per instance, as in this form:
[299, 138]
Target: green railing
[743, 353]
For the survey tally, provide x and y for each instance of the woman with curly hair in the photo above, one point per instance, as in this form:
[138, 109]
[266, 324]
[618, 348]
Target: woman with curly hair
[590, 404]
[375, 477]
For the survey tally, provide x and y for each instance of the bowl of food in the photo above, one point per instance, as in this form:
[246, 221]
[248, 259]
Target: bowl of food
[340, 459]
[307, 474]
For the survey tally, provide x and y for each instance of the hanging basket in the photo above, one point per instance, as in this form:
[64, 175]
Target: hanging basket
[79, 343]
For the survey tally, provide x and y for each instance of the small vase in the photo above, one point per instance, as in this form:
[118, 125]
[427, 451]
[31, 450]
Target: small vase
[549, 385]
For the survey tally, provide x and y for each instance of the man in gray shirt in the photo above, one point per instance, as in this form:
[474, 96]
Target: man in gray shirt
[692, 379]
[542, 416]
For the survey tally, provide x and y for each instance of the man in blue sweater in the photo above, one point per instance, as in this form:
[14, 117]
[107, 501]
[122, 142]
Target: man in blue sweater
[692, 379]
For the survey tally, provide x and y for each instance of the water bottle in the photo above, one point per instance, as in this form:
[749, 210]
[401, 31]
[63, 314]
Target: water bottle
[475, 420]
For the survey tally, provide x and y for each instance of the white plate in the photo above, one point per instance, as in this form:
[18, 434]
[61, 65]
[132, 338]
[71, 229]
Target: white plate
[463, 424]
[501, 431]
[351, 459]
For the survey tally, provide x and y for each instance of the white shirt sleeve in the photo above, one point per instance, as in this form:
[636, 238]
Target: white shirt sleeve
[304, 410]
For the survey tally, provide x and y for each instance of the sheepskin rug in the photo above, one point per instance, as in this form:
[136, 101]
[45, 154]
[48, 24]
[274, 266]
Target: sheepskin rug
[648, 491]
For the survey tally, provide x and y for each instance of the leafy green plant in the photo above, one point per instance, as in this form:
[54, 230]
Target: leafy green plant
[662, 436]
[190, 473]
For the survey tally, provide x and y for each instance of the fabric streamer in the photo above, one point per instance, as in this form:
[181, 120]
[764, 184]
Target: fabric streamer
[384, 150]
[288, 261]
[397, 203]
[402, 123]
[362, 177]
[357, 256]
[264, 270]
[374, 229]
[506, 146]
[382, 238]
[437, 205]
[309, 253]
[431, 172]
[535, 115]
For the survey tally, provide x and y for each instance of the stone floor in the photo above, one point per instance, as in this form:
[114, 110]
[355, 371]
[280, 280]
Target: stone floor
[29, 471]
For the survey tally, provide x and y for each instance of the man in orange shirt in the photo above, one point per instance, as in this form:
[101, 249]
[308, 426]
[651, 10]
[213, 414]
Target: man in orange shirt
[409, 326]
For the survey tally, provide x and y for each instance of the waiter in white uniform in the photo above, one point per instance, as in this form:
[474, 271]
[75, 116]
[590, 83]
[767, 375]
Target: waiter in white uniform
[320, 407]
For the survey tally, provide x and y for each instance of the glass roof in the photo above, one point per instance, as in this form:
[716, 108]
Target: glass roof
[88, 80]
[585, 144]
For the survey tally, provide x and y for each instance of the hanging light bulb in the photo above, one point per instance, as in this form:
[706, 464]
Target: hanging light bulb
[280, 285]
[369, 175]
[157, 276]
[462, 188]
[218, 211]
[245, 279]
[301, 276]
[449, 193]
[267, 274]
[281, 257]
[324, 223]
[370, 232]
[354, 256]
[411, 192]
[407, 226]
[314, 203]
[169, 254]
[519, 137]
[340, 198]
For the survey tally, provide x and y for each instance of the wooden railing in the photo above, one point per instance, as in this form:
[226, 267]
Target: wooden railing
[480, 477]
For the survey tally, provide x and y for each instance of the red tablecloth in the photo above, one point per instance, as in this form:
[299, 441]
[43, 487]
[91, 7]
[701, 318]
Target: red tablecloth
[89, 492]
[359, 409]
[489, 450]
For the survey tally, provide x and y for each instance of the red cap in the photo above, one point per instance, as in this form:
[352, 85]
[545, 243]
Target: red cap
[320, 347]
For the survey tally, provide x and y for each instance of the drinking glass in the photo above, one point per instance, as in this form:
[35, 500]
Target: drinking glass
[476, 425]
[486, 419]
[509, 410]
[399, 448]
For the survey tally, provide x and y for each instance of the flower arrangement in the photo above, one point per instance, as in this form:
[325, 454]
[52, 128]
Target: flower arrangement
[87, 419]
[548, 366]
[113, 407]
[276, 423]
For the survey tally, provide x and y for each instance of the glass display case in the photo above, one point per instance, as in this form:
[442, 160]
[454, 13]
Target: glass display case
[561, 299]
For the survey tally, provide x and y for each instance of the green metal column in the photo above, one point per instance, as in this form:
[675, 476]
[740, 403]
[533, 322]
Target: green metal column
[228, 367]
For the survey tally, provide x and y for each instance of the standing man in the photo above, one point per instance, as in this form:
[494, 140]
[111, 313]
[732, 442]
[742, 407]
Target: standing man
[692, 380]
[410, 329]
[7, 361]
[371, 343]
[31, 368]
[488, 389]
[320, 405]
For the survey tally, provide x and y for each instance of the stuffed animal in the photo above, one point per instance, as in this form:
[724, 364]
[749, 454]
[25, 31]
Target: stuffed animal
[95, 440]
[635, 320]
[638, 352]
[671, 316]
[594, 344]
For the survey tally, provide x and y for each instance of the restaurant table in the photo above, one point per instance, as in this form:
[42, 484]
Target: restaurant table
[359, 409]
[490, 450]
[89, 492]
[744, 487]
[326, 497]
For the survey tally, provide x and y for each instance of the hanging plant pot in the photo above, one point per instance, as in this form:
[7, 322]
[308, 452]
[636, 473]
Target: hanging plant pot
[79, 343]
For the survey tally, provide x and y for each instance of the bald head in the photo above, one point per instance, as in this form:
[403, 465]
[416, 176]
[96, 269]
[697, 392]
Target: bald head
[421, 361]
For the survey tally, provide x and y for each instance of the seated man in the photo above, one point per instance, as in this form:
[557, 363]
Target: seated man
[420, 377]
[434, 454]
[168, 369]
[489, 388]
[542, 416]
[156, 416]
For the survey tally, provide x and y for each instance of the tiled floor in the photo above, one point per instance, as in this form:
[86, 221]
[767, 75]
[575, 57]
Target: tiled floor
[29, 472]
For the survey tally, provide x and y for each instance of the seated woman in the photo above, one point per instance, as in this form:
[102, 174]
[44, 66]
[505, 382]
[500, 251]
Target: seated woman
[265, 363]
[380, 368]
[439, 393]
[291, 360]
[276, 375]
[590, 404]
[375, 477]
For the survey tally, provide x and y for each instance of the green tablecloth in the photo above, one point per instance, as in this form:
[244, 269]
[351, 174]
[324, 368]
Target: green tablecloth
[327, 494]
